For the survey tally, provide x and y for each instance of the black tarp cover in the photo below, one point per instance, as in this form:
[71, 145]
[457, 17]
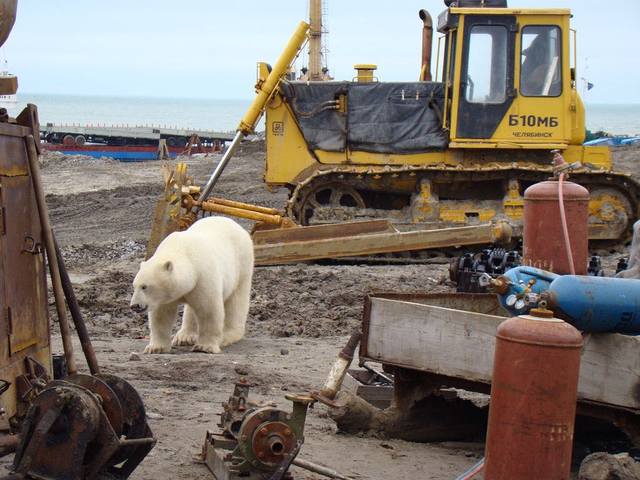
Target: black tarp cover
[381, 117]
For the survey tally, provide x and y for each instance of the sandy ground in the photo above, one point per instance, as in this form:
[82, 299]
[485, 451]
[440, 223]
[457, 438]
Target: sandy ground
[300, 317]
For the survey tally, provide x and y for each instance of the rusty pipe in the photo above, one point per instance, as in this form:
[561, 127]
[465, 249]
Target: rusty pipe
[49, 243]
[339, 369]
[76, 315]
[319, 469]
[427, 41]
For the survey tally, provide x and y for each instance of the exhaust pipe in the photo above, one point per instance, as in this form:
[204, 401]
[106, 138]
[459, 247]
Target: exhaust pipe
[427, 40]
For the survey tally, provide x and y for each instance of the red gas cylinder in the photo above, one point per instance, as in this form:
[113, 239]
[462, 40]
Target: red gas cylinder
[533, 398]
[543, 238]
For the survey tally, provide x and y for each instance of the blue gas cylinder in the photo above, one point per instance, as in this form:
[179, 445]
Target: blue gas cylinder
[596, 304]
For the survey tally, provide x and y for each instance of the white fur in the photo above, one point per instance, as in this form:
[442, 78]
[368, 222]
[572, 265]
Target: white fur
[208, 268]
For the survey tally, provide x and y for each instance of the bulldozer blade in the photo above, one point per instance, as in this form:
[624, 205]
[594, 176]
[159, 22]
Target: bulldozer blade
[162, 226]
[168, 208]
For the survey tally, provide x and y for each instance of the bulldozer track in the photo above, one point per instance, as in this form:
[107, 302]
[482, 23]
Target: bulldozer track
[360, 180]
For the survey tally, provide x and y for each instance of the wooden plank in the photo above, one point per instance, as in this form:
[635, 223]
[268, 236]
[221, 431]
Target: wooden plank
[461, 344]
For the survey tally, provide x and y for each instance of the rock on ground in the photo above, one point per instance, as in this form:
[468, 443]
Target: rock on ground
[603, 466]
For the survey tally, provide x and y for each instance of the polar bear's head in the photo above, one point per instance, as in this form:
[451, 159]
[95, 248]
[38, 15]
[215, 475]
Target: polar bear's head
[153, 285]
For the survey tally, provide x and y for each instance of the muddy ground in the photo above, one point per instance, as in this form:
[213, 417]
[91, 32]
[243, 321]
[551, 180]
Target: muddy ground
[300, 317]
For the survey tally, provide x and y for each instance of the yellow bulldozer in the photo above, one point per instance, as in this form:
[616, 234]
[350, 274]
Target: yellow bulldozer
[455, 151]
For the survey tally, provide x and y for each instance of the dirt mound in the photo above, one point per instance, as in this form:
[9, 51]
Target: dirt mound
[319, 300]
[49, 160]
[627, 159]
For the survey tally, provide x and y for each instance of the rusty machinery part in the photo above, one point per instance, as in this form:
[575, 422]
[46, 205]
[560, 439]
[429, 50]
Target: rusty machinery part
[612, 208]
[168, 211]
[234, 410]
[69, 432]
[260, 439]
[109, 400]
[266, 438]
[31, 383]
[74, 430]
[465, 270]
[261, 442]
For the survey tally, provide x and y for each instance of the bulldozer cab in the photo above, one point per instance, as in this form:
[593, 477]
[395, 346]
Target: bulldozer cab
[509, 79]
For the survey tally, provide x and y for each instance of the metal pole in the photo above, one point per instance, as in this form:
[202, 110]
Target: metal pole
[206, 191]
[319, 469]
[56, 282]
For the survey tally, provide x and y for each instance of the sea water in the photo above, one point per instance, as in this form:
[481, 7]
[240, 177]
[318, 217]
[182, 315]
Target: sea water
[223, 115]
[198, 114]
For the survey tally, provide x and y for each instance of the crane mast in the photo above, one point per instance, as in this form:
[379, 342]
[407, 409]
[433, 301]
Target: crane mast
[315, 40]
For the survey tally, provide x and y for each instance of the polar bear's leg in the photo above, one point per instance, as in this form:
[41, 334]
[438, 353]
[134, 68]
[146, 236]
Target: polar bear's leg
[161, 320]
[236, 309]
[188, 333]
[210, 315]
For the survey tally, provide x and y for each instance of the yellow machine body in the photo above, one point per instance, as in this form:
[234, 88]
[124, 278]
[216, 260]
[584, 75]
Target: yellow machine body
[509, 97]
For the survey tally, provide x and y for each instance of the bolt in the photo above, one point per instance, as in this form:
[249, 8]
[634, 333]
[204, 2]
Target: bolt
[264, 431]
[244, 438]
[260, 454]
[287, 432]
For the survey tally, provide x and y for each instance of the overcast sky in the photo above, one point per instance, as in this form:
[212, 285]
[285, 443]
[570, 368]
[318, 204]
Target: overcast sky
[206, 48]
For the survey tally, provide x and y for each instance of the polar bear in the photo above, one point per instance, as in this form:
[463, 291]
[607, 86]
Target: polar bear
[208, 268]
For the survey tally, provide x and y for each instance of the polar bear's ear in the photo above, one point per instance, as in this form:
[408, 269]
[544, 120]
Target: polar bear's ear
[168, 266]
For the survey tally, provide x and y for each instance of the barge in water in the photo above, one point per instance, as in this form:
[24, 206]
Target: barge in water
[130, 143]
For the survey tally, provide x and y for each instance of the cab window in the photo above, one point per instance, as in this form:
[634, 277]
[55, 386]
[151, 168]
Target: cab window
[540, 70]
[486, 80]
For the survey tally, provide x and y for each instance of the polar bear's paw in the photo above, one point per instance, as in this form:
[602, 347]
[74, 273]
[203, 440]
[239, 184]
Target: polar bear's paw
[182, 338]
[155, 348]
[207, 347]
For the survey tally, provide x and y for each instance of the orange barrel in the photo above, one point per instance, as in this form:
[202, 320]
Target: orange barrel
[543, 240]
[533, 398]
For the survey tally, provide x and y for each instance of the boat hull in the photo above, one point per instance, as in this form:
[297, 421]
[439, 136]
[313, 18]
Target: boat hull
[123, 154]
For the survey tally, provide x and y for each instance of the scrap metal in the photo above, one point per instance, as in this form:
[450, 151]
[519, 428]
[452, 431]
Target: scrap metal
[260, 442]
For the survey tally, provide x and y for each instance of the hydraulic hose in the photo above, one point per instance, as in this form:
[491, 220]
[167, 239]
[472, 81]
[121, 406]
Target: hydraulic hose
[559, 160]
[473, 471]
